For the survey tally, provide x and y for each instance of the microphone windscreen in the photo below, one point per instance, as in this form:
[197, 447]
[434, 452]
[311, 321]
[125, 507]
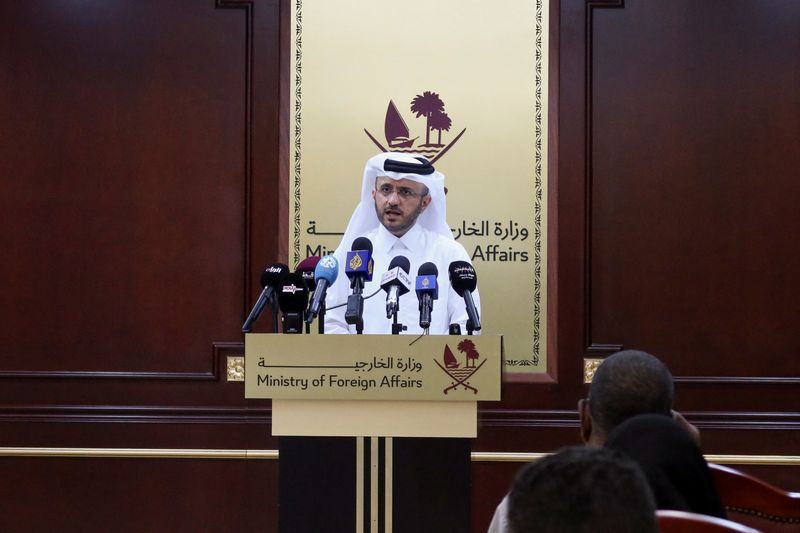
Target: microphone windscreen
[308, 264]
[306, 269]
[293, 294]
[462, 277]
[273, 274]
[327, 268]
[362, 243]
[428, 269]
[402, 262]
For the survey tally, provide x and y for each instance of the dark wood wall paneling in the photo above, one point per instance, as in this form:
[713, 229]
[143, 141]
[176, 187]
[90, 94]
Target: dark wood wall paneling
[140, 164]
[676, 144]
[144, 190]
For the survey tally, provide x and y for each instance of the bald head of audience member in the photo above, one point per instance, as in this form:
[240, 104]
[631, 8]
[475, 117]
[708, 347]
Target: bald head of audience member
[581, 490]
[626, 384]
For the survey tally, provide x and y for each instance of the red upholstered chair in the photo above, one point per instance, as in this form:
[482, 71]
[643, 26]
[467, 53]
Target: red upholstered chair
[753, 502]
[683, 522]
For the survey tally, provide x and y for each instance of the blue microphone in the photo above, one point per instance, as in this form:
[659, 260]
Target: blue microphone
[358, 267]
[358, 264]
[427, 291]
[325, 274]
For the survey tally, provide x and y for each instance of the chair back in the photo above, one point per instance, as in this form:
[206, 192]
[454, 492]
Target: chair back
[683, 522]
[753, 502]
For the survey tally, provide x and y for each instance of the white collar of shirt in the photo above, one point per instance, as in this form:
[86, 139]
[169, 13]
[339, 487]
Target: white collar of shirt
[413, 240]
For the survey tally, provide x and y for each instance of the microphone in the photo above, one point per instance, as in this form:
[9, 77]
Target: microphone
[325, 273]
[358, 267]
[292, 300]
[427, 291]
[270, 279]
[464, 280]
[306, 269]
[396, 283]
[358, 264]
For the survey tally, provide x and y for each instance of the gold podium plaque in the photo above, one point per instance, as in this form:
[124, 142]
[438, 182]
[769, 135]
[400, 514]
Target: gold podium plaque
[373, 385]
[373, 367]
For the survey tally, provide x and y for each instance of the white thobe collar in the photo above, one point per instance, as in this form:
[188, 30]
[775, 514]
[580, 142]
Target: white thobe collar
[413, 241]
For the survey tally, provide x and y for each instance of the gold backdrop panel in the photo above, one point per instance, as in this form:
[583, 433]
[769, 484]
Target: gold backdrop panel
[461, 82]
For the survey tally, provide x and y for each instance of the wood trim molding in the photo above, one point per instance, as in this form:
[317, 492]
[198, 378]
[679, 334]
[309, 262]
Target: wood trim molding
[179, 453]
[488, 418]
[210, 375]
[134, 414]
[591, 347]
[247, 6]
[588, 173]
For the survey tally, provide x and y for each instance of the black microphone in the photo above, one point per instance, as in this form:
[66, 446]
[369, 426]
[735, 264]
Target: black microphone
[326, 272]
[270, 279]
[396, 283]
[464, 280]
[293, 299]
[358, 267]
[427, 291]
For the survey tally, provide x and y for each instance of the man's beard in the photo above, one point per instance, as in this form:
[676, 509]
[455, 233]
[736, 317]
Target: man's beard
[405, 221]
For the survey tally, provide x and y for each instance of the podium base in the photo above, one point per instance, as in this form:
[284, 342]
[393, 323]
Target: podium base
[374, 484]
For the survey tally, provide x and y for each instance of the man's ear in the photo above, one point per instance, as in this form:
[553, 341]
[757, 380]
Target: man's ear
[426, 200]
[586, 420]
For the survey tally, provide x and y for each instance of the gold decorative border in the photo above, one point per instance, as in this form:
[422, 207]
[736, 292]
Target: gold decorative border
[539, 162]
[298, 127]
[179, 453]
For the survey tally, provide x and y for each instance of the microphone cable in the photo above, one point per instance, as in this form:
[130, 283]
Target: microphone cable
[365, 297]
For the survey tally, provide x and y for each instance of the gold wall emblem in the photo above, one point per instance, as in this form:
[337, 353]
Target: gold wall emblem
[235, 368]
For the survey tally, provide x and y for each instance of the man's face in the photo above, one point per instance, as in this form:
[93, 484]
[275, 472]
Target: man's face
[398, 203]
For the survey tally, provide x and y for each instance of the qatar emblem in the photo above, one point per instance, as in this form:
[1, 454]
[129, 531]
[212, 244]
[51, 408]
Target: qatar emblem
[437, 125]
[461, 374]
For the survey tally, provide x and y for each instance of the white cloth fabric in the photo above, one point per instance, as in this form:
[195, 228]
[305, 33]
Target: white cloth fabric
[499, 523]
[419, 245]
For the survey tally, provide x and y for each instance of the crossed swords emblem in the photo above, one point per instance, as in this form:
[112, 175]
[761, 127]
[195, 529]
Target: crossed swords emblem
[460, 376]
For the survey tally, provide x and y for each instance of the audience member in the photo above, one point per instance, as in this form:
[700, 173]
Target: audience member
[672, 462]
[581, 490]
[626, 384]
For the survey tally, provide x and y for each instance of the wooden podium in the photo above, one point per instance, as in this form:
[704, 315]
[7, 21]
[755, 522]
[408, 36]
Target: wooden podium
[374, 429]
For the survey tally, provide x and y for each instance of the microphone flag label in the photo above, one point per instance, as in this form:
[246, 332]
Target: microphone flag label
[328, 261]
[358, 264]
[427, 284]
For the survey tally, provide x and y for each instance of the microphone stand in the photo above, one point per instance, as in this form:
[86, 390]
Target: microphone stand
[354, 315]
[274, 306]
[321, 319]
[396, 327]
[470, 326]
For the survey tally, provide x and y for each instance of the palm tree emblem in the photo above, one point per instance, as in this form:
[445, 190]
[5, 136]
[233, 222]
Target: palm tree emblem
[426, 104]
[467, 347]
